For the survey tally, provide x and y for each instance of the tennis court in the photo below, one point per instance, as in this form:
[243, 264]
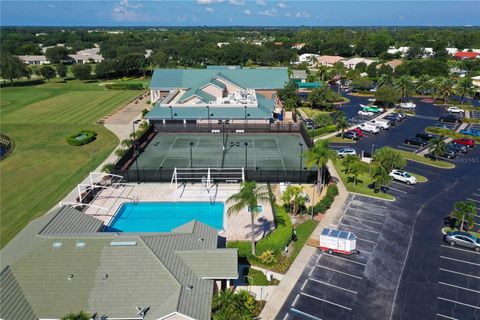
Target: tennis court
[253, 151]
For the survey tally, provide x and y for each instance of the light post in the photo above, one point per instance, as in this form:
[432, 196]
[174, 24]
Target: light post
[245, 108]
[371, 160]
[208, 115]
[223, 123]
[191, 153]
[301, 162]
[171, 113]
[246, 148]
[135, 149]
[313, 197]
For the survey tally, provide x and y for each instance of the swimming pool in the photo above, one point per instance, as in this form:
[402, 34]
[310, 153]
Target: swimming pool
[165, 216]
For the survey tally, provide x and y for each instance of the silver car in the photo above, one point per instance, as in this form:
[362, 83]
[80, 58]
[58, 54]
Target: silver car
[463, 239]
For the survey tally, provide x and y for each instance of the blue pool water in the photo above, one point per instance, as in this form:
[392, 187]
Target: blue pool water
[165, 216]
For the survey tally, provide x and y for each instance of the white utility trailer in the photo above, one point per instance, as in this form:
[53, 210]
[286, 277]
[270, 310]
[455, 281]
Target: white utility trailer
[332, 240]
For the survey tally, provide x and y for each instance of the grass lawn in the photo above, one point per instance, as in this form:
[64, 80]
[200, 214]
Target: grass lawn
[421, 159]
[312, 113]
[419, 177]
[363, 180]
[303, 230]
[43, 168]
[336, 139]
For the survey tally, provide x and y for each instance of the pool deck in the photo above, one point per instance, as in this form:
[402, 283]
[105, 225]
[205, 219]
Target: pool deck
[236, 226]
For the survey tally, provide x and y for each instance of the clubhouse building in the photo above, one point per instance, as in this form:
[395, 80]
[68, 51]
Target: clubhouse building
[204, 96]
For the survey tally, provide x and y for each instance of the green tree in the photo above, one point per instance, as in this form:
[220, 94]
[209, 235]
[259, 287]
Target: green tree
[386, 80]
[322, 73]
[405, 85]
[318, 156]
[380, 178]
[323, 119]
[464, 88]
[231, 305]
[62, 70]
[389, 159]
[47, 72]
[57, 54]
[11, 67]
[293, 198]
[446, 89]
[82, 71]
[289, 95]
[77, 316]
[341, 122]
[352, 167]
[424, 84]
[464, 211]
[362, 83]
[249, 196]
[372, 70]
[387, 95]
[438, 147]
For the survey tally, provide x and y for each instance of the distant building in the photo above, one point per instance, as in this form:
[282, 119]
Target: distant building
[471, 50]
[401, 50]
[148, 53]
[462, 55]
[392, 64]
[298, 46]
[299, 75]
[34, 60]
[352, 63]
[458, 72]
[329, 61]
[309, 58]
[87, 56]
[451, 51]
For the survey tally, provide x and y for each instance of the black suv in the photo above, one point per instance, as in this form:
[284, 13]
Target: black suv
[416, 142]
[426, 136]
[450, 118]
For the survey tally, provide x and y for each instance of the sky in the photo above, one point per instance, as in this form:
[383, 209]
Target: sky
[239, 13]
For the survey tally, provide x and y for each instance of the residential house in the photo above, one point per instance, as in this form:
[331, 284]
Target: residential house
[401, 50]
[329, 61]
[451, 51]
[298, 46]
[87, 56]
[216, 93]
[309, 58]
[63, 263]
[465, 55]
[458, 72]
[221, 44]
[34, 60]
[392, 64]
[299, 76]
[352, 63]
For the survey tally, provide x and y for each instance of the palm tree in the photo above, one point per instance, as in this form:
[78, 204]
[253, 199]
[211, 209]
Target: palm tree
[341, 122]
[249, 196]
[438, 147]
[385, 80]
[464, 88]
[424, 84]
[437, 85]
[464, 211]
[322, 72]
[405, 85]
[231, 305]
[380, 177]
[446, 89]
[352, 167]
[318, 156]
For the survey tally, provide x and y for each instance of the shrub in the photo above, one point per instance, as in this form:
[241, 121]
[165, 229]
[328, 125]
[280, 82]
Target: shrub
[268, 257]
[108, 168]
[255, 277]
[280, 237]
[124, 86]
[326, 202]
[79, 139]
[322, 130]
[120, 152]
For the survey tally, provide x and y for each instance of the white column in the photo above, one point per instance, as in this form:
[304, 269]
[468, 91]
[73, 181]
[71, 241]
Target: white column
[228, 283]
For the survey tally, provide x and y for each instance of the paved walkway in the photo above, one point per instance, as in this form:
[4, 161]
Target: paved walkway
[330, 218]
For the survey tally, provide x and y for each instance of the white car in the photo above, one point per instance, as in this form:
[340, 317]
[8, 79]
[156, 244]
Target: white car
[369, 127]
[382, 123]
[408, 105]
[346, 152]
[365, 113]
[403, 176]
[455, 110]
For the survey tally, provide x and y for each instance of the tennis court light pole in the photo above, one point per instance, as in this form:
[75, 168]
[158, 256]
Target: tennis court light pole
[246, 148]
[301, 162]
[245, 108]
[208, 115]
[171, 112]
[191, 153]
[135, 150]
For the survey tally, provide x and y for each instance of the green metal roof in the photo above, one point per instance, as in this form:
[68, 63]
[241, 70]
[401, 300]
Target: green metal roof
[309, 85]
[260, 78]
[71, 221]
[13, 304]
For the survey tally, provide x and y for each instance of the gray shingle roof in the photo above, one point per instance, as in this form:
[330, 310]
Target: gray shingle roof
[13, 304]
[71, 221]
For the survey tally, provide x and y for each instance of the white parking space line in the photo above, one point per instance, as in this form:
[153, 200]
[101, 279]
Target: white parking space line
[296, 298]
[360, 263]
[458, 287]
[366, 240]
[303, 314]
[460, 273]
[304, 284]
[475, 264]
[354, 217]
[373, 205]
[332, 285]
[461, 303]
[359, 228]
[478, 201]
[464, 250]
[397, 189]
[337, 271]
[403, 147]
[476, 195]
[446, 317]
[326, 301]
[403, 184]
[367, 211]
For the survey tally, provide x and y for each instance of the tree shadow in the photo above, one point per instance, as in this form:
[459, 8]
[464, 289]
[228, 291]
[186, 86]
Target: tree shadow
[263, 227]
[23, 83]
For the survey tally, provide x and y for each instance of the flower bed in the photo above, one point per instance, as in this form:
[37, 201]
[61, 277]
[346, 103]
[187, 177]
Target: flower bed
[82, 138]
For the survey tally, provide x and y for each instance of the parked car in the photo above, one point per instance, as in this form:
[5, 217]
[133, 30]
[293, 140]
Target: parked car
[466, 142]
[392, 118]
[450, 118]
[367, 127]
[403, 176]
[346, 152]
[351, 135]
[457, 148]
[470, 132]
[455, 110]
[382, 123]
[373, 109]
[449, 155]
[426, 136]
[358, 131]
[399, 114]
[416, 142]
[364, 113]
[408, 105]
[463, 239]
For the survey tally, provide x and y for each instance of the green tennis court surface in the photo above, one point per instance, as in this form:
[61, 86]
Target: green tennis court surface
[255, 151]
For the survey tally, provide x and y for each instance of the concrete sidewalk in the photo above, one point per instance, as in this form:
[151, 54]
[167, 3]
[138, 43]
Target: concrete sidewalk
[289, 280]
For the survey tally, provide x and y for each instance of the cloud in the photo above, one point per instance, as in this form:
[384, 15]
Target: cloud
[124, 11]
[237, 2]
[207, 2]
[51, 6]
[270, 12]
[126, 4]
[209, 9]
[281, 5]
[302, 14]
[247, 12]
[261, 3]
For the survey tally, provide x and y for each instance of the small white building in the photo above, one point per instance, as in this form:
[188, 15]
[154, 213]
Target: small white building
[34, 60]
[352, 63]
[451, 51]
[309, 58]
[87, 56]
[221, 44]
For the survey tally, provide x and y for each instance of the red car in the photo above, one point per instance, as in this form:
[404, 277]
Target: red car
[466, 142]
[358, 131]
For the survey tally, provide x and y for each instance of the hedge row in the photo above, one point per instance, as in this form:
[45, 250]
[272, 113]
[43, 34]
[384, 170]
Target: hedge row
[124, 86]
[326, 202]
[79, 139]
[322, 130]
